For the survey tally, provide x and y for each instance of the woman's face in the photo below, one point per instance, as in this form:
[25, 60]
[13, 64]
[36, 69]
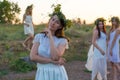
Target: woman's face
[30, 9]
[114, 22]
[54, 23]
[100, 25]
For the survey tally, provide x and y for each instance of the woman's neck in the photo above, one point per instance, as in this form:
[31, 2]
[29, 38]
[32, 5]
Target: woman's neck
[53, 33]
[114, 27]
[101, 30]
[28, 14]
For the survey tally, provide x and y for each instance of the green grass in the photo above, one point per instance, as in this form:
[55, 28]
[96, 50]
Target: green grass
[80, 38]
[87, 71]
[15, 32]
[3, 72]
[11, 48]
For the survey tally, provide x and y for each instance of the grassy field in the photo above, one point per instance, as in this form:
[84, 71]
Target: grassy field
[11, 49]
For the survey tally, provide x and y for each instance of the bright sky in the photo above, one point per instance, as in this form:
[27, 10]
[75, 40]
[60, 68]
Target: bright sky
[83, 9]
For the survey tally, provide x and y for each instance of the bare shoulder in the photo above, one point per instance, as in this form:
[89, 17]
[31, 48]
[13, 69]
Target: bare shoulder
[118, 30]
[24, 15]
[95, 31]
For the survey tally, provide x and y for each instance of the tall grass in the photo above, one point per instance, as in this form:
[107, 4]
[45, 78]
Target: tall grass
[11, 48]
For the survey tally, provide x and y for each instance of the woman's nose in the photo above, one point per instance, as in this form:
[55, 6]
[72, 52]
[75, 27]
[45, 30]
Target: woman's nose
[53, 23]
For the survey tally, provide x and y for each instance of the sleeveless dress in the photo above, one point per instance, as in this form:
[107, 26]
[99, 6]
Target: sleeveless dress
[28, 29]
[115, 58]
[99, 65]
[49, 71]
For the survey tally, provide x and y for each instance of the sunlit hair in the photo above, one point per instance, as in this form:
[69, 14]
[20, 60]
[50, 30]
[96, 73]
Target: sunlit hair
[116, 19]
[28, 8]
[60, 32]
[97, 25]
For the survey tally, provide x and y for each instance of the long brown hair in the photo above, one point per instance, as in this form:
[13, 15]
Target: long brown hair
[60, 32]
[97, 26]
[117, 21]
[27, 9]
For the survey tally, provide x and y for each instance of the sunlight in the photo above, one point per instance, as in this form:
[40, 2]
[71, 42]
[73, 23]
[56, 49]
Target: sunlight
[87, 10]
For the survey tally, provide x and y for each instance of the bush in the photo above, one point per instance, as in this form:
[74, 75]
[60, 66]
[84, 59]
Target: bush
[22, 66]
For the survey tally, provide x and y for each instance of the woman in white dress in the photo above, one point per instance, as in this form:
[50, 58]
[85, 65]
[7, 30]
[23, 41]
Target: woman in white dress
[114, 46]
[48, 48]
[99, 57]
[28, 27]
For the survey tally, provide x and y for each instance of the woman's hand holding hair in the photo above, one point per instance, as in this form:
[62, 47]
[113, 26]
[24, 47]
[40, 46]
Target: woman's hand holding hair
[48, 32]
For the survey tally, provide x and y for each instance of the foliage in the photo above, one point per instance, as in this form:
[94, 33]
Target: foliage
[99, 20]
[57, 10]
[78, 45]
[3, 72]
[22, 66]
[9, 12]
[69, 23]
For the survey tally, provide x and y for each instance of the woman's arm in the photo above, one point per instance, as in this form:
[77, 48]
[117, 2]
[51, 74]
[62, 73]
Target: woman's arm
[114, 40]
[56, 52]
[23, 19]
[107, 42]
[95, 36]
[24, 16]
[35, 57]
[40, 59]
[32, 22]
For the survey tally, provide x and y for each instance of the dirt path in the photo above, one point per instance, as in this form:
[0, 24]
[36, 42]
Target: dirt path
[75, 70]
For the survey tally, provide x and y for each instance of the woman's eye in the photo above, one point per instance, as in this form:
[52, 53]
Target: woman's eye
[53, 19]
[57, 22]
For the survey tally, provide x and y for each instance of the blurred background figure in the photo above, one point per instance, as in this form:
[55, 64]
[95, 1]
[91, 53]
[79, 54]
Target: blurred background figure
[28, 27]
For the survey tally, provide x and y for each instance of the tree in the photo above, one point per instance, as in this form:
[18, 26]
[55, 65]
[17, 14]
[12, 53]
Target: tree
[57, 9]
[84, 22]
[78, 20]
[9, 12]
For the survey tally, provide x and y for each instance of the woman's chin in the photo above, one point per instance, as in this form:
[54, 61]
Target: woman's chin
[52, 29]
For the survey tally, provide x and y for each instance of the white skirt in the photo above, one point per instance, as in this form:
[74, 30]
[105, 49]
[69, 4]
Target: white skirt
[99, 67]
[89, 62]
[50, 72]
[28, 29]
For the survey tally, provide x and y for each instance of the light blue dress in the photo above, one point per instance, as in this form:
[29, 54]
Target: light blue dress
[99, 61]
[49, 71]
[116, 49]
